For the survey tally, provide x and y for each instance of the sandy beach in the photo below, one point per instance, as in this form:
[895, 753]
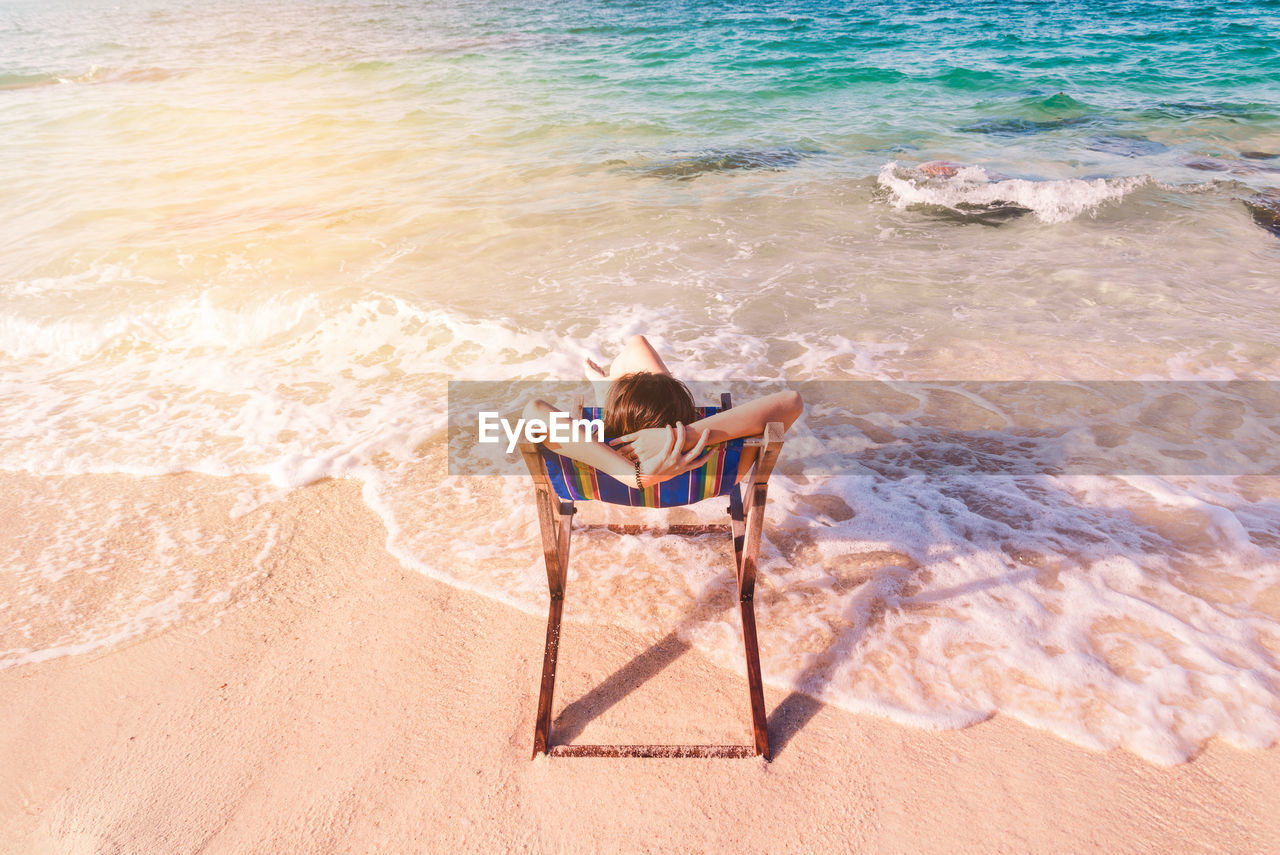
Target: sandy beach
[346, 704]
[1019, 573]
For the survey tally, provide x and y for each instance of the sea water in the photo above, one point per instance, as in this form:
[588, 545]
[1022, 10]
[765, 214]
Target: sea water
[256, 240]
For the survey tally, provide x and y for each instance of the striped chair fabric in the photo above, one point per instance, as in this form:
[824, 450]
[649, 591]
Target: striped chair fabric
[572, 480]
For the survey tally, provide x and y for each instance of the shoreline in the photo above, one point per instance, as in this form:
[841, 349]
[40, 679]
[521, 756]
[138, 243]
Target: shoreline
[351, 704]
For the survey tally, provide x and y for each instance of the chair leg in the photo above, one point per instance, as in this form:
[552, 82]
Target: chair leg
[542, 730]
[555, 546]
[759, 722]
[746, 553]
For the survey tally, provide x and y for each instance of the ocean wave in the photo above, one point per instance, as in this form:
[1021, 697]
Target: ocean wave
[295, 389]
[95, 74]
[178, 326]
[971, 191]
[15, 80]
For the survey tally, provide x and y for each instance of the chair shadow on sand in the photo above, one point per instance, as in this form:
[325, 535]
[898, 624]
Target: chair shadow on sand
[798, 708]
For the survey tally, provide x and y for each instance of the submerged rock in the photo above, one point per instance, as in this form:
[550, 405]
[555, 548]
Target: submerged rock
[1265, 209]
[733, 160]
[1208, 164]
[1258, 155]
[983, 213]
[941, 168]
[1020, 127]
[1126, 145]
[1226, 164]
[1225, 109]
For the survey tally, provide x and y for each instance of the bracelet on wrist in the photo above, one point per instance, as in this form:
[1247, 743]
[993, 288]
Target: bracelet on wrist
[637, 462]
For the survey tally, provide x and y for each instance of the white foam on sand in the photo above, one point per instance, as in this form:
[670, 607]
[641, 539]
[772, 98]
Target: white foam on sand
[95, 571]
[1131, 612]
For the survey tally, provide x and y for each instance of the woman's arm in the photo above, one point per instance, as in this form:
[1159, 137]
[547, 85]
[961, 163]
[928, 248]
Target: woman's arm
[750, 419]
[656, 466]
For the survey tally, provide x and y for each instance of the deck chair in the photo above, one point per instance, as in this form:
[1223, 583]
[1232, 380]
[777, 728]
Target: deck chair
[560, 481]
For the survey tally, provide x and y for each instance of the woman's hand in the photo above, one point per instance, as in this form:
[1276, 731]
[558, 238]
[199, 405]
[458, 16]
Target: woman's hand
[650, 442]
[660, 453]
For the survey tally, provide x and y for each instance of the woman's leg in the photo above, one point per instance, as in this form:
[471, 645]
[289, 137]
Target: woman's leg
[637, 355]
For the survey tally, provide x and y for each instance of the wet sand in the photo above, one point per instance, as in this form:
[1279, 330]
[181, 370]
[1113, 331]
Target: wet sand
[351, 705]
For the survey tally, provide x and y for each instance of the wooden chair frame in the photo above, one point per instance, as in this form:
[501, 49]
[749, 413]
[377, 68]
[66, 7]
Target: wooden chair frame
[746, 524]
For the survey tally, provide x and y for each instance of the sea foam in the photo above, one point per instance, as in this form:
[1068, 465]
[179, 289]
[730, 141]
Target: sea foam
[972, 188]
[1135, 612]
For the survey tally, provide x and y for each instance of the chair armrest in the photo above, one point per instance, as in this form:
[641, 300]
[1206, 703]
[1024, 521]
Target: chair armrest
[769, 446]
[537, 467]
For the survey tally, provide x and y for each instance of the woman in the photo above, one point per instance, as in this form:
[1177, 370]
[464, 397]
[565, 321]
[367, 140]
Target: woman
[652, 418]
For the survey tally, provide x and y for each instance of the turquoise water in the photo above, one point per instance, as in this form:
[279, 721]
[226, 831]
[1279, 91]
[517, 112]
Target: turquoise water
[620, 125]
[256, 240]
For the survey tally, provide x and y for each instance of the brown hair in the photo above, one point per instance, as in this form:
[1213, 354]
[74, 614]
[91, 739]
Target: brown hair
[645, 400]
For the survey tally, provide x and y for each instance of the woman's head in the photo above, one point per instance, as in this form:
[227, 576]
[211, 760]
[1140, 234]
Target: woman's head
[645, 400]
